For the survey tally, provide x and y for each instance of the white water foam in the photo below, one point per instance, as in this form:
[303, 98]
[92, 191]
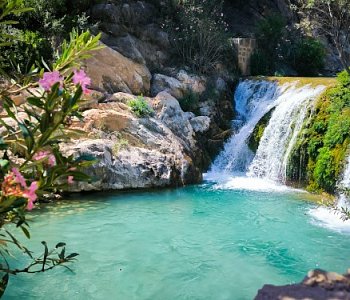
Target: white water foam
[251, 184]
[330, 218]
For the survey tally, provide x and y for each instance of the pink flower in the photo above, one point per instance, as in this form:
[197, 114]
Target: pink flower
[30, 194]
[45, 155]
[49, 79]
[70, 179]
[19, 177]
[82, 79]
[52, 160]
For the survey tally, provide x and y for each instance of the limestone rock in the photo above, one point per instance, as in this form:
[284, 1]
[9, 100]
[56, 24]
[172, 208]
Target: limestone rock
[178, 86]
[168, 110]
[200, 124]
[113, 72]
[163, 83]
[138, 152]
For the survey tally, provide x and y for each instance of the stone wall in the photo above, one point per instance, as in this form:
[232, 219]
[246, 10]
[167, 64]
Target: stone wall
[245, 48]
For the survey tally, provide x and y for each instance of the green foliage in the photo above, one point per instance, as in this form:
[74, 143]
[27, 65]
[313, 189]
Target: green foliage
[199, 34]
[344, 79]
[279, 47]
[260, 63]
[140, 107]
[269, 33]
[318, 157]
[31, 162]
[38, 32]
[189, 102]
[307, 56]
[28, 49]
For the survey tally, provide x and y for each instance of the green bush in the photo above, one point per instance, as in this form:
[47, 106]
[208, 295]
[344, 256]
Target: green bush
[189, 102]
[344, 79]
[39, 32]
[269, 32]
[28, 49]
[199, 34]
[260, 63]
[140, 107]
[307, 56]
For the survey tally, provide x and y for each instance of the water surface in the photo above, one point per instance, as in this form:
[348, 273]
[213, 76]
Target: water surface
[199, 242]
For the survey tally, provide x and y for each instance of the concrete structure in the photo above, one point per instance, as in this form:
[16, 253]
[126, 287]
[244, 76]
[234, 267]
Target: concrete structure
[245, 47]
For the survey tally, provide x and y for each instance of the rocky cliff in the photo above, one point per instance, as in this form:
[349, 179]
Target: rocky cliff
[170, 147]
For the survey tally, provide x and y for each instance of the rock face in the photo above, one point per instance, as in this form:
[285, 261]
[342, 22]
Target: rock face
[318, 285]
[170, 147]
[112, 72]
[131, 29]
[179, 85]
[133, 152]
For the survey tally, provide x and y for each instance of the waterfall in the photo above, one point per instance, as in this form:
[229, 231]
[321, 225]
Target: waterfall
[281, 133]
[253, 99]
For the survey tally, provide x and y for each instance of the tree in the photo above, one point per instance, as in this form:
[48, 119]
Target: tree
[332, 18]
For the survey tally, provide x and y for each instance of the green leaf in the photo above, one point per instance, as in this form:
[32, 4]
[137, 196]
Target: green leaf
[35, 101]
[4, 163]
[76, 96]
[59, 245]
[25, 231]
[28, 136]
[3, 145]
[72, 255]
[85, 157]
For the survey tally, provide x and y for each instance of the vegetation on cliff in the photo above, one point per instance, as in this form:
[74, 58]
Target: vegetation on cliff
[284, 50]
[317, 159]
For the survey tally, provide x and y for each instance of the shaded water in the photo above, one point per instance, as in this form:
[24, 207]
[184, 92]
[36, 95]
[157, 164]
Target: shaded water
[212, 241]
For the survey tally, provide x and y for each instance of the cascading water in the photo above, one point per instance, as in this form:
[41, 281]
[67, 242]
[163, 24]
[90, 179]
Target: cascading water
[281, 133]
[253, 100]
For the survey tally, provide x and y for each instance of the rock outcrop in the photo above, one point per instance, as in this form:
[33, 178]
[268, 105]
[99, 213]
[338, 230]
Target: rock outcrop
[318, 285]
[179, 85]
[155, 151]
[112, 72]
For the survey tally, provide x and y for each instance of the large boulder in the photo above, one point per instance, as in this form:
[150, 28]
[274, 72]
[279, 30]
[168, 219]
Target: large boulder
[136, 152]
[179, 85]
[112, 72]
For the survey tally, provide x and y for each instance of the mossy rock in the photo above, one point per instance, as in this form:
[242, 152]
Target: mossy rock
[255, 137]
[318, 157]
